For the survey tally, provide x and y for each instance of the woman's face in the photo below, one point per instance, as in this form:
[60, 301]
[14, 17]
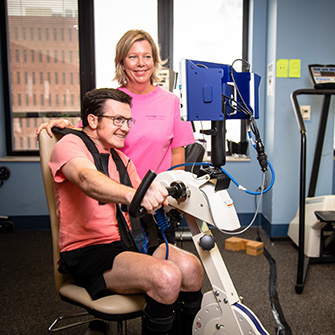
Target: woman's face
[139, 63]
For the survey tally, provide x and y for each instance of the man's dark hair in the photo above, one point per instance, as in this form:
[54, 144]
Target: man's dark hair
[94, 101]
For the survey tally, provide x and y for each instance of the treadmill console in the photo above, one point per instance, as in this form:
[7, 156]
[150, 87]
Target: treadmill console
[322, 76]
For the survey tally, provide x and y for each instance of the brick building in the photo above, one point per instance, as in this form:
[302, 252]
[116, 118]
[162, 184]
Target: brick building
[44, 66]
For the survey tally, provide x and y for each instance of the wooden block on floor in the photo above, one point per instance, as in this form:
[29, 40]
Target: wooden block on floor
[254, 248]
[233, 243]
[243, 243]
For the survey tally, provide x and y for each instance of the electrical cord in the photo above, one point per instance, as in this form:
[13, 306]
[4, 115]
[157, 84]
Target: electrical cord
[283, 327]
[249, 225]
[240, 187]
[163, 223]
[261, 155]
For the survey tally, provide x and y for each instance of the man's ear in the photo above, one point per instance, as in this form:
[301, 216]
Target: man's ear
[92, 121]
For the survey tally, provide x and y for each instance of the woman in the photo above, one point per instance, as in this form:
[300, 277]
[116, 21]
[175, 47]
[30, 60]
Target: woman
[158, 137]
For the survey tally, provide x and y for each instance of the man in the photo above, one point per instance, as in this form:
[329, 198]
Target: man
[92, 250]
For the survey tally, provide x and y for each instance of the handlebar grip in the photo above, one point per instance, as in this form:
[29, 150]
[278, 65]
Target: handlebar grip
[135, 209]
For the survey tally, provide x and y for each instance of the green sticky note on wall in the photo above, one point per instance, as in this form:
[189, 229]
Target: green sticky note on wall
[282, 68]
[294, 68]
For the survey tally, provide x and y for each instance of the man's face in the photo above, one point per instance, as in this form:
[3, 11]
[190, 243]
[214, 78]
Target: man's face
[108, 134]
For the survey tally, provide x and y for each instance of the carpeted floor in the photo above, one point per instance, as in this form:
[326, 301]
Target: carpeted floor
[29, 302]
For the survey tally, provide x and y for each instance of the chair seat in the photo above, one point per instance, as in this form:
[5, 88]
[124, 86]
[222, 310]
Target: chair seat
[112, 304]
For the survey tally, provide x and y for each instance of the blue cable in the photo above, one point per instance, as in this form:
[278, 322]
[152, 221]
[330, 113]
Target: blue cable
[163, 224]
[232, 179]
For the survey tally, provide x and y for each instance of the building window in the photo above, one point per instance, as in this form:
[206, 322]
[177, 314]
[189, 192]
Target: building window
[43, 25]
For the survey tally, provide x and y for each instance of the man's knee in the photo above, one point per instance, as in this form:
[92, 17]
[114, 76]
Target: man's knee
[167, 279]
[193, 274]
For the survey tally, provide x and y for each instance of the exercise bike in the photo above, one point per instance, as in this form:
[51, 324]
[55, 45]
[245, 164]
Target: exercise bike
[213, 92]
[221, 312]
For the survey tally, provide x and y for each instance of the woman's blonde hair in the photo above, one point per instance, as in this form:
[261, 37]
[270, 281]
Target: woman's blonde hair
[122, 49]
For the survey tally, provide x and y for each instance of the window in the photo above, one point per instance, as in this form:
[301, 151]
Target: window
[105, 52]
[219, 38]
[40, 86]
[42, 25]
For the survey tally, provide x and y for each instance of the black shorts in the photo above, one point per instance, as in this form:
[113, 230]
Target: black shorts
[87, 265]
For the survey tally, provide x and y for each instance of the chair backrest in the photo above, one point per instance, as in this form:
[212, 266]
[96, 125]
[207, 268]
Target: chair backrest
[46, 145]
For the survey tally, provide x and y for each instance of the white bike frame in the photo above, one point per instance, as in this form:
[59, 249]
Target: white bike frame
[221, 312]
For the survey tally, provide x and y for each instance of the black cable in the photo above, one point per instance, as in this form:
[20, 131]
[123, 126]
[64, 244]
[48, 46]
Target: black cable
[283, 326]
[259, 146]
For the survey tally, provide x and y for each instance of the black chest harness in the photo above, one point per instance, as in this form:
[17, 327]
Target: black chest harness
[136, 239]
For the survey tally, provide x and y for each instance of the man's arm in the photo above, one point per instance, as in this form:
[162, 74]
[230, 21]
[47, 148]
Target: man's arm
[83, 173]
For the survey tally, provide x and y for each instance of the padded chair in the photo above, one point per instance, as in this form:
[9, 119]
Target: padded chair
[114, 307]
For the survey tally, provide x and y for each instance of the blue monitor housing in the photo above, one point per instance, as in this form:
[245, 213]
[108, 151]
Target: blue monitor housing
[205, 88]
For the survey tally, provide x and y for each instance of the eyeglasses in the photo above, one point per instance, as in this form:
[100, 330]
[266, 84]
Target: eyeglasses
[119, 121]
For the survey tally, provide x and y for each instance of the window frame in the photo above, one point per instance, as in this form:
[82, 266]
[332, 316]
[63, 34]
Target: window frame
[165, 39]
